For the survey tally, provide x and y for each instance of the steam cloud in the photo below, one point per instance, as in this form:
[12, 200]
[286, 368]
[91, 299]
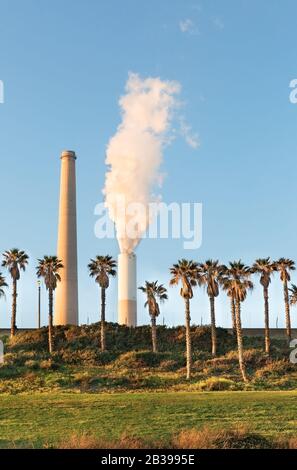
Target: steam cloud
[134, 154]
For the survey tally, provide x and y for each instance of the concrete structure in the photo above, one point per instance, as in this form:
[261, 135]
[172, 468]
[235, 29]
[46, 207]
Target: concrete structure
[277, 333]
[66, 306]
[127, 306]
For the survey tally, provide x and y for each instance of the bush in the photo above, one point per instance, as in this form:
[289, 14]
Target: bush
[275, 369]
[217, 384]
[205, 438]
[28, 340]
[129, 359]
[84, 441]
[208, 438]
[106, 357]
[171, 365]
[8, 371]
[31, 364]
[48, 364]
[136, 359]
[150, 359]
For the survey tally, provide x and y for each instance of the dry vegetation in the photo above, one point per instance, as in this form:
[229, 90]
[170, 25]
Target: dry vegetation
[205, 438]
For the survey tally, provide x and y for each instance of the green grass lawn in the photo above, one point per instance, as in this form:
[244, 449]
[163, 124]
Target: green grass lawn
[45, 419]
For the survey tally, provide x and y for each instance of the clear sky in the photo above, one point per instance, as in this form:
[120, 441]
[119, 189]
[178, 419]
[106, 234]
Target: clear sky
[64, 65]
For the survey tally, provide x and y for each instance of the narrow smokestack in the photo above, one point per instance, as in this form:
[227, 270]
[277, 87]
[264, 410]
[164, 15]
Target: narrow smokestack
[127, 289]
[66, 307]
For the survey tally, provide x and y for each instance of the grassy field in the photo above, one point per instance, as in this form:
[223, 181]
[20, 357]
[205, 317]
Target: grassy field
[42, 419]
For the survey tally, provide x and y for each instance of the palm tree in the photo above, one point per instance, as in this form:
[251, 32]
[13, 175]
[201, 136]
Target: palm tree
[101, 268]
[227, 287]
[2, 285]
[293, 295]
[154, 292]
[236, 282]
[15, 261]
[48, 268]
[265, 268]
[284, 266]
[210, 274]
[186, 273]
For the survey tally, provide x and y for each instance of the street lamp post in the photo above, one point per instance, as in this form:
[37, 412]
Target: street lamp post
[39, 302]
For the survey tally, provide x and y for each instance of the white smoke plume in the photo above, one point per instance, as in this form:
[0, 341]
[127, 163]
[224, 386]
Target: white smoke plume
[134, 154]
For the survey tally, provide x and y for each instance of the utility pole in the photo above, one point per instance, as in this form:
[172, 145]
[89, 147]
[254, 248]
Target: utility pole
[39, 303]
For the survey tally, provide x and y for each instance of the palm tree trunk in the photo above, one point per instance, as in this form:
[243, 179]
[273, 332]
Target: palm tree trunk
[154, 333]
[287, 308]
[266, 320]
[102, 342]
[233, 316]
[14, 308]
[213, 326]
[50, 321]
[188, 338]
[239, 341]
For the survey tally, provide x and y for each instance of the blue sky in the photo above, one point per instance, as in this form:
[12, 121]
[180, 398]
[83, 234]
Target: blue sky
[64, 65]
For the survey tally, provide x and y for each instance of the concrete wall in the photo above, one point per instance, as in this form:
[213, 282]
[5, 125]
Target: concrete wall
[274, 332]
[6, 331]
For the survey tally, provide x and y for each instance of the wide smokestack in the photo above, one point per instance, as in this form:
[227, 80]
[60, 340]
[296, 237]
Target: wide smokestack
[127, 308]
[66, 307]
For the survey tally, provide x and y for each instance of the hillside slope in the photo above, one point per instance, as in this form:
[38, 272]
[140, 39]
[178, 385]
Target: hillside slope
[129, 365]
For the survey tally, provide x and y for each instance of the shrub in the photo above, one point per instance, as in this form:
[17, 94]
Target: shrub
[84, 356]
[106, 357]
[150, 359]
[83, 379]
[275, 369]
[207, 438]
[31, 364]
[252, 357]
[85, 441]
[283, 383]
[289, 443]
[170, 365]
[129, 359]
[138, 359]
[48, 364]
[217, 384]
[28, 340]
[8, 371]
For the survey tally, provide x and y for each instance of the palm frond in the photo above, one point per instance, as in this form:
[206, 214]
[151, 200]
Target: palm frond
[101, 268]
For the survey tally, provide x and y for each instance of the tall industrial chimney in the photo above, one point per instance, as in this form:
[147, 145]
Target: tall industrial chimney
[127, 307]
[66, 306]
